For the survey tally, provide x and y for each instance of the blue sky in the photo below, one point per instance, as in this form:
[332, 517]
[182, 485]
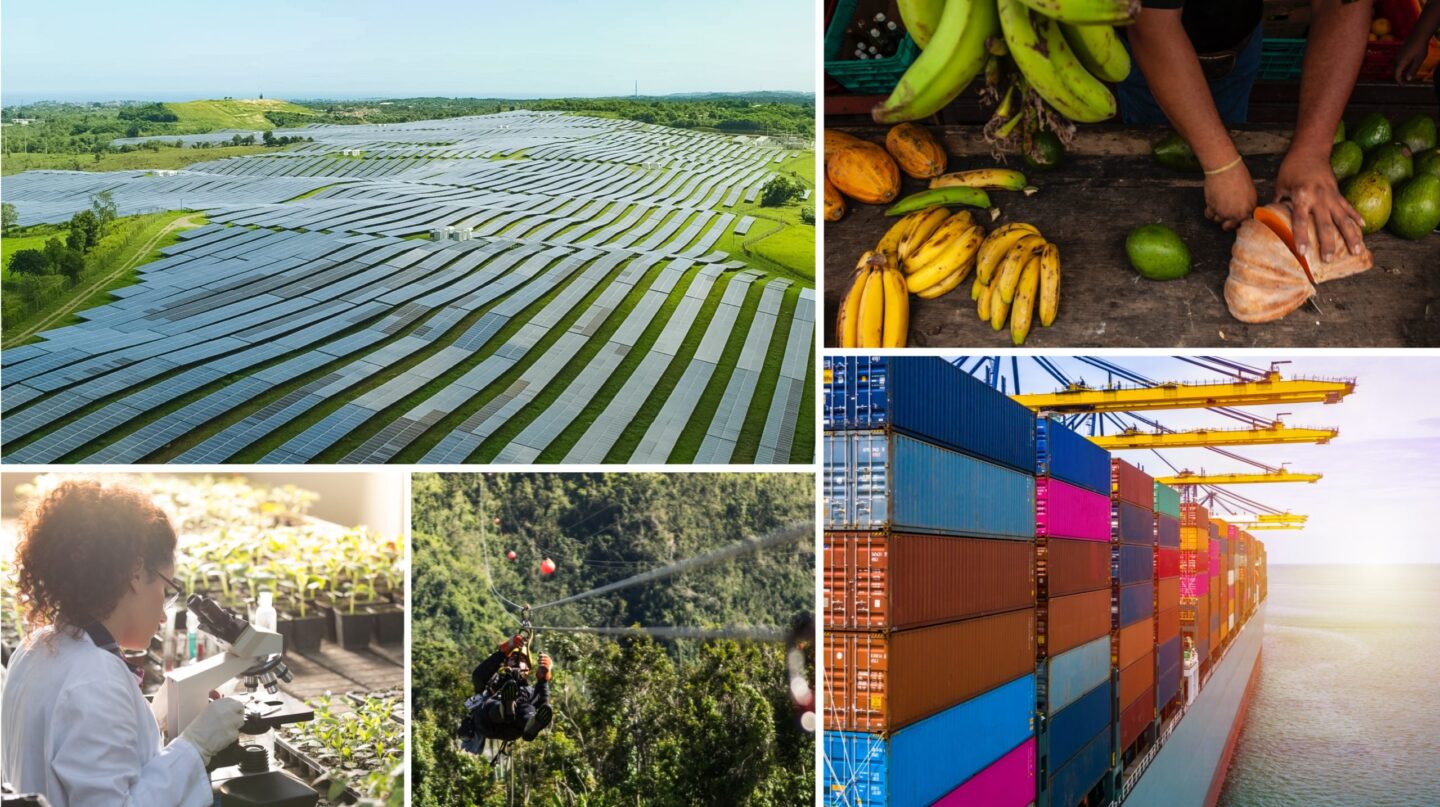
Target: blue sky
[1380, 499]
[363, 48]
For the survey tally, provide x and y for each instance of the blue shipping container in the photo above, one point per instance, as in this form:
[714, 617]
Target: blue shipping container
[1078, 722]
[1137, 563]
[929, 398]
[1168, 654]
[1071, 783]
[1076, 672]
[1137, 602]
[1167, 531]
[923, 761]
[1133, 524]
[1070, 457]
[1167, 685]
[874, 480]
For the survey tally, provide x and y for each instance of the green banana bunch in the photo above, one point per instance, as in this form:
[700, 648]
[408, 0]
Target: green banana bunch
[921, 18]
[1059, 78]
[951, 59]
[1099, 49]
[1088, 12]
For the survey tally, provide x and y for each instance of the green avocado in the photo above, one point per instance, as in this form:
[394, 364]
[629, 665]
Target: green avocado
[1172, 151]
[1392, 161]
[1345, 159]
[1372, 131]
[1428, 162]
[1157, 252]
[1416, 211]
[1045, 152]
[1369, 193]
[1418, 133]
[1339, 132]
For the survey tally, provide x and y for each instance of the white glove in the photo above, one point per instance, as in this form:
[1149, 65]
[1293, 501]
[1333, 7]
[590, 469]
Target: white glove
[216, 727]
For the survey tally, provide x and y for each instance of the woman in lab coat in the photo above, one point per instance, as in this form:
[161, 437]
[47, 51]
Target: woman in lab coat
[94, 564]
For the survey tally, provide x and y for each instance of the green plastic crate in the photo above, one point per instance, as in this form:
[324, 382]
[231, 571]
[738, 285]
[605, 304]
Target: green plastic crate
[864, 76]
[1280, 59]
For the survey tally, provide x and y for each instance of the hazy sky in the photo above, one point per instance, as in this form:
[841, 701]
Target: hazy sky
[1380, 499]
[170, 50]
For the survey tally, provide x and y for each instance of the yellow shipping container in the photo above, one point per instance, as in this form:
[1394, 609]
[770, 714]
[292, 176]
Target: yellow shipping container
[1195, 538]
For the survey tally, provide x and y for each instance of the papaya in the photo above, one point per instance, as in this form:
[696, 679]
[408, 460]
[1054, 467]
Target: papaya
[864, 171]
[916, 150]
[834, 201]
[834, 141]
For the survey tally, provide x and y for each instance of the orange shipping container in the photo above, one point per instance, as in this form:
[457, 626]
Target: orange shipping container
[1195, 538]
[1076, 619]
[1167, 593]
[1134, 642]
[1137, 678]
[1075, 566]
[881, 683]
[1136, 717]
[1167, 625]
[876, 580]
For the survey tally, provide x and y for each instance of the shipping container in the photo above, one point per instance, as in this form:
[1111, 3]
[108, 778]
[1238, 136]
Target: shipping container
[1072, 727]
[1130, 484]
[875, 481]
[1070, 567]
[882, 683]
[1136, 602]
[917, 765]
[1136, 679]
[1132, 642]
[1167, 593]
[1194, 515]
[1167, 562]
[929, 398]
[1167, 626]
[1167, 500]
[1075, 780]
[879, 581]
[1075, 619]
[1167, 654]
[1076, 672]
[1063, 510]
[1136, 717]
[1136, 563]
[1195, 538]
[1167, 531]
[1007, 782]
[1167, 684]
[1194, 587]
[1063, 454]
[1134, 524]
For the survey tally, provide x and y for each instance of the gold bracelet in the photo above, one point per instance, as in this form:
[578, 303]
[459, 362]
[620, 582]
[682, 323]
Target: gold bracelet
[1226, 167]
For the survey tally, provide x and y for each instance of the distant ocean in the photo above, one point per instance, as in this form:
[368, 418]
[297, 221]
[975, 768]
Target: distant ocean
[1347, 711]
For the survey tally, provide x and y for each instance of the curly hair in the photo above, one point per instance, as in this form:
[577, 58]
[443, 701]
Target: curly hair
[79, 545]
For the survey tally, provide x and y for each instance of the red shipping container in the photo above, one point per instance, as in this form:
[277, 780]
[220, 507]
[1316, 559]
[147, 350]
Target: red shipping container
[1133, 642]
[1167, 625]
[1167, 593]
[1074, 566]
[1167, 563]
[1136, 717]
[1130, 484]
[1194, 515]
[876, 580]
[881, 683]
[1137, 678]
[1075, 619]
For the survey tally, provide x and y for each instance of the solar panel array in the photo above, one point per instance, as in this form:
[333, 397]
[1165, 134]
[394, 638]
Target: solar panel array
[587, 309]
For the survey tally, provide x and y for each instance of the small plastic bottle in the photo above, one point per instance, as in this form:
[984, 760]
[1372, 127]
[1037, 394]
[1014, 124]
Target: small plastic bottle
[265, 618]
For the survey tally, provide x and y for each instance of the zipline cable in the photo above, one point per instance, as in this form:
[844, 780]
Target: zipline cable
[747, 634]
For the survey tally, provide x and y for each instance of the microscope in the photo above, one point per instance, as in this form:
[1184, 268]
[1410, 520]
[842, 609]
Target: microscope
[243, 774]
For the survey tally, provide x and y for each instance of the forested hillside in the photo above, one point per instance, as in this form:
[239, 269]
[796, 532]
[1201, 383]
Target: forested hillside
[637, 721]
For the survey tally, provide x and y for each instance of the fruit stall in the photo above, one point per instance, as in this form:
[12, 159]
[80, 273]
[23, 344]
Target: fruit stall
[1105, 221]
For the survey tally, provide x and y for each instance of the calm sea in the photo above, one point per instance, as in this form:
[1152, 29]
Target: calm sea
[1347, 711]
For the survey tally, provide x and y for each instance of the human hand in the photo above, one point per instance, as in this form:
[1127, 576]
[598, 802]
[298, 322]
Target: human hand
[1230, 196]
[513, 643]
[543, 674]
[216, 727]
[1411, 56]
[1324, 223]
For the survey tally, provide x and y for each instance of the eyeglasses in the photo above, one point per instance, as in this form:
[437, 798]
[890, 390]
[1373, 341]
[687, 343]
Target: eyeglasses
[172, 589]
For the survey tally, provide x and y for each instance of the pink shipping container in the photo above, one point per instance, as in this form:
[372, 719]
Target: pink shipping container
[1065, 511]
[1194, 585]
[1008, 782]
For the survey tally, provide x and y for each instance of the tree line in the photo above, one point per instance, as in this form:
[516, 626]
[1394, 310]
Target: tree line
[64, 257]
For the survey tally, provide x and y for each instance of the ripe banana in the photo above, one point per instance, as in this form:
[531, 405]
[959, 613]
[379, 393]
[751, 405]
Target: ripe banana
[944, 237]
[986, 296]
[1099, 48]
[1049, 284]
[889, 245]
[954, 55]
[977, 287]
[923, 224]
[1022, 312]
[958, 256]
[847, 322]
[990, 179]
[947, 285]
[897, 307]
[1014, 263]
[921, 17]
[1047, 69]
[999, 308]
[1088, 12]
[997, 245]
[872, 309]
[974, 197]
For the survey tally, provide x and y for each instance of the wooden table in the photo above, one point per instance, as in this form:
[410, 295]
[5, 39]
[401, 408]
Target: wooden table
[1108, 185]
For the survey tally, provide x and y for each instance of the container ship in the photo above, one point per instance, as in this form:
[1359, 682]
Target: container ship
[1012, 617]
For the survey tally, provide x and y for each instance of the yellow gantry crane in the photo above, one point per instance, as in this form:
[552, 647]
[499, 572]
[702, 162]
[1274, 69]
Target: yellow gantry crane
[1275, 521]
[1275, 433]
[1269, 390]
[1202, 478]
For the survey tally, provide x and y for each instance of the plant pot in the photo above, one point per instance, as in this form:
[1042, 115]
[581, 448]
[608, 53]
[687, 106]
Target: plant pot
[302, 635]
[352, 631]
[389, 621]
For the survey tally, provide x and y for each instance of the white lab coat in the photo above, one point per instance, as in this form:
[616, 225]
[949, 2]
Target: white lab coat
[77, 729]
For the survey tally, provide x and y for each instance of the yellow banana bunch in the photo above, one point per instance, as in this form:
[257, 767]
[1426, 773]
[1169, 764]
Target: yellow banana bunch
[923, 224]
[999, 242]
[1017, 278]
[876, 310]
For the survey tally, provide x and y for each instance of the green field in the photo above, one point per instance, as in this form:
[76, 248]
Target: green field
[780, 241]
[33, 237]
[171, 158]
[232, 113]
